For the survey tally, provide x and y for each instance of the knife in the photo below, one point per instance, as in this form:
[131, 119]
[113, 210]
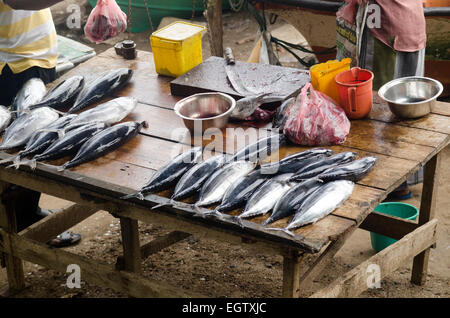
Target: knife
[233, 76]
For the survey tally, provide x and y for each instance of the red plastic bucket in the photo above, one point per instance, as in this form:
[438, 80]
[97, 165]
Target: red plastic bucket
[355, 92]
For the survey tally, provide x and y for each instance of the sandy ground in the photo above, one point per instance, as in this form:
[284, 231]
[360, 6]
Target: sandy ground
[219, 269]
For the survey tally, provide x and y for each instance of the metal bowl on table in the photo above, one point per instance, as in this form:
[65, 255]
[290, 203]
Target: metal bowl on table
[411, 97]
[205, 110]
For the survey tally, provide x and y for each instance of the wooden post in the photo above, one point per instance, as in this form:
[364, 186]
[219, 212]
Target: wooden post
[213, 16]
[291, 275]
[427, 210]
[14, 265]
[131, 247]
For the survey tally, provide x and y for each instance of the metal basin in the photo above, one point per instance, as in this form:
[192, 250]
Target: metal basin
[205, 110]
[411, 97]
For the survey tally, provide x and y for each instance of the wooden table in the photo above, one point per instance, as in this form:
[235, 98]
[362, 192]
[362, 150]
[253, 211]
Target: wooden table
[402, 147]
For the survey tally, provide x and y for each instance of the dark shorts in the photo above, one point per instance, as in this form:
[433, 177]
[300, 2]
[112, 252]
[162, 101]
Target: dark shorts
[10, 83]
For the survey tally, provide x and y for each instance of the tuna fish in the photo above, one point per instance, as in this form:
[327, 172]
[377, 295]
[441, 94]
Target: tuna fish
[218, 183]
[63, 94]
[353, 171]
[317, 167]
[40, 140]
[169, 174]
[238, 193]
[101, 87]
[288, 203]
[295, 162]
[30, 94]
[21, 130]
[320, 203]
[68, 145]
[246, 106]
[266, 196]
[5, 118]
[261, 149]
[282, 113]
[104, 142]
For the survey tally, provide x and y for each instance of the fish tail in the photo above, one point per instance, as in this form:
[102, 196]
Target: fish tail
[170, 202]
[282, 230]
[138, 195]
[238, 220]
[61, 168]
[61, 133]
[12, 158]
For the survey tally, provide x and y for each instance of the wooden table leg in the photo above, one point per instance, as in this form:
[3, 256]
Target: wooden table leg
[131, 246]
[291, 275]
[14, 265]
[427, 210]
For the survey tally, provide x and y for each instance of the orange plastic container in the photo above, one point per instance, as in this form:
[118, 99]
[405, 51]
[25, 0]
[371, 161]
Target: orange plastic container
[355, 92]
[323, 74]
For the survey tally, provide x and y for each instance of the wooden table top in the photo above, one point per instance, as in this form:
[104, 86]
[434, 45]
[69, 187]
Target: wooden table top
[401, 146]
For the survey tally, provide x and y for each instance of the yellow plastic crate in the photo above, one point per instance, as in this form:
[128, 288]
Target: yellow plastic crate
[177, 48]
[323, 74]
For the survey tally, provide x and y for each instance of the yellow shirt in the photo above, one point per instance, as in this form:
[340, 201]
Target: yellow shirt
[27, 39]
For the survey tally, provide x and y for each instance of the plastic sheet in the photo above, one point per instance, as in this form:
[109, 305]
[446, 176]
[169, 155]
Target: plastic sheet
[106, 20]
[316, 120]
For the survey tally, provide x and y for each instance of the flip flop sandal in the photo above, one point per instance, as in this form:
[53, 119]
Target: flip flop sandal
[393, 196]
[65, 239]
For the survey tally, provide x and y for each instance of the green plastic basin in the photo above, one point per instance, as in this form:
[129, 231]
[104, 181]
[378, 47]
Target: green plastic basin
[398, 209]
[159, 9]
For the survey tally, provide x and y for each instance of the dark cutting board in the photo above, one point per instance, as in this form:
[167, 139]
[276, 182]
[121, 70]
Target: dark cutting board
[210, 76]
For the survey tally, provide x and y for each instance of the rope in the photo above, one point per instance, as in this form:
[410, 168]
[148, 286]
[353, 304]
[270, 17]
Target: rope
[236, 5]
[148, 15]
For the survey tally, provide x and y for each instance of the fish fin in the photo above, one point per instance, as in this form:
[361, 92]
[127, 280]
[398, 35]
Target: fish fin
[281, 229]
[138, 195]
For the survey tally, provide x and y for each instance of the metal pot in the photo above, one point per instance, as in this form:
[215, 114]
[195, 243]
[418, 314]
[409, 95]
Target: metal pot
[205, 110]
[411, 97]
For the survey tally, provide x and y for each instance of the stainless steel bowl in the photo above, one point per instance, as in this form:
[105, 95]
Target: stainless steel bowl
[411, 97]
[205, 110]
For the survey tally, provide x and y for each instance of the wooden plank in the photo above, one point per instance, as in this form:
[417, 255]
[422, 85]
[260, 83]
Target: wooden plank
[437, 121]
[94, 271]
[323, 260]
[155, 246]
[131, 248]
[291, 275]
[427, 212]
[58, 222]
[389, 259]
[394, 140]
[14, 265]
[388, 225]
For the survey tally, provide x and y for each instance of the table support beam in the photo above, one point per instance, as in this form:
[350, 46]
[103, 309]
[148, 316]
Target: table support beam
[427, 211]
[131, 248]
[291, 275]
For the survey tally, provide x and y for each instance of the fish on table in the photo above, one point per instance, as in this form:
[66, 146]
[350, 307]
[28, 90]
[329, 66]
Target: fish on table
[5, 118]
[105, 141]
[169, 174]
[31, 93]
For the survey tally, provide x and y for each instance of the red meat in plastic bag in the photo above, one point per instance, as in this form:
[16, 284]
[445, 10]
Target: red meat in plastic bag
[317, 120]
[106, 20]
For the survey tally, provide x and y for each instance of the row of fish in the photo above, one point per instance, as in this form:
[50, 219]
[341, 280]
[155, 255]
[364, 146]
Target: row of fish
[309, 184]
[44, 135]
[72, 92]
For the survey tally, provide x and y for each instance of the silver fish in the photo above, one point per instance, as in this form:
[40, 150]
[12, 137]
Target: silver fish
[21, 130]
[322, 202]
[109, 113]
[63, 94]
[217, 184]
[100, 87]
[261, 149]
[5, 118]
[30, 94]
[264, 198]
[353, 171]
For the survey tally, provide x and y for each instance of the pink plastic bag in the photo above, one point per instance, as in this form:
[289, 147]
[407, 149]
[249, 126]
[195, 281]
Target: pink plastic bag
[105, 21]
[317, 120]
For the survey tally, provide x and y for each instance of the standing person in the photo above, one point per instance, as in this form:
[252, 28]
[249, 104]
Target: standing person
[392, 48]
[28, 49]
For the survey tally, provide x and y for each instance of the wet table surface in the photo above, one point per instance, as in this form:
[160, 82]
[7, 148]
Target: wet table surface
[402, 147]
